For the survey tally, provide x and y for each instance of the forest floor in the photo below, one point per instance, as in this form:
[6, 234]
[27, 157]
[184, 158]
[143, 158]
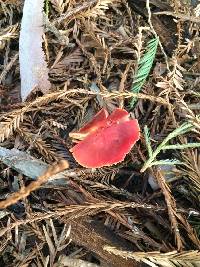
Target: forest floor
[142, 56]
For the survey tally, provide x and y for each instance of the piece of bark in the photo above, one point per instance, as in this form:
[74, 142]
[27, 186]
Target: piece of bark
[94, 236]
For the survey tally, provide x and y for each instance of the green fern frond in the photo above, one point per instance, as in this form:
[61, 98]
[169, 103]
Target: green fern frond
[144, 67]
[184, 128]
[170, 162]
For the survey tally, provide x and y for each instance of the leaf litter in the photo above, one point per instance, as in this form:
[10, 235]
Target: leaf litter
[140, 56]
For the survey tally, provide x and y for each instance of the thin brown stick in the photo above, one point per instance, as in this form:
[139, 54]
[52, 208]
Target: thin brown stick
[171, 206]
[25, 191]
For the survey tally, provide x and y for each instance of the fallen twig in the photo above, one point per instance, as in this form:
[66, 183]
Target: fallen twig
[25, 191]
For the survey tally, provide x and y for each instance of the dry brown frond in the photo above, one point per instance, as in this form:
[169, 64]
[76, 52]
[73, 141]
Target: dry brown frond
[10, 32]
[155, 259]
[57, 243]
[9, 124]
[72, 60]
[74, 12]
[77, 211]
[192, 170]
[176, 76]
[189, 114]
[99, 9]
[8, 66]
[40, 145]
[58, 5]
[174, 81]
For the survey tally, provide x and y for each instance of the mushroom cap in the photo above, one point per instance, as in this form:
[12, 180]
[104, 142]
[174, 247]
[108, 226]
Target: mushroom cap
[97, 122]
[109, 143]
[118, 115]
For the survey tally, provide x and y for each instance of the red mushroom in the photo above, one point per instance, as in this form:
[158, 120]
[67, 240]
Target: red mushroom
[118, 115]
[108, 141]
[97, 122]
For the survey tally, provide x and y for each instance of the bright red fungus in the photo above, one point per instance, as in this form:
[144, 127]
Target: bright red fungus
[97, 122]
[109, 139]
